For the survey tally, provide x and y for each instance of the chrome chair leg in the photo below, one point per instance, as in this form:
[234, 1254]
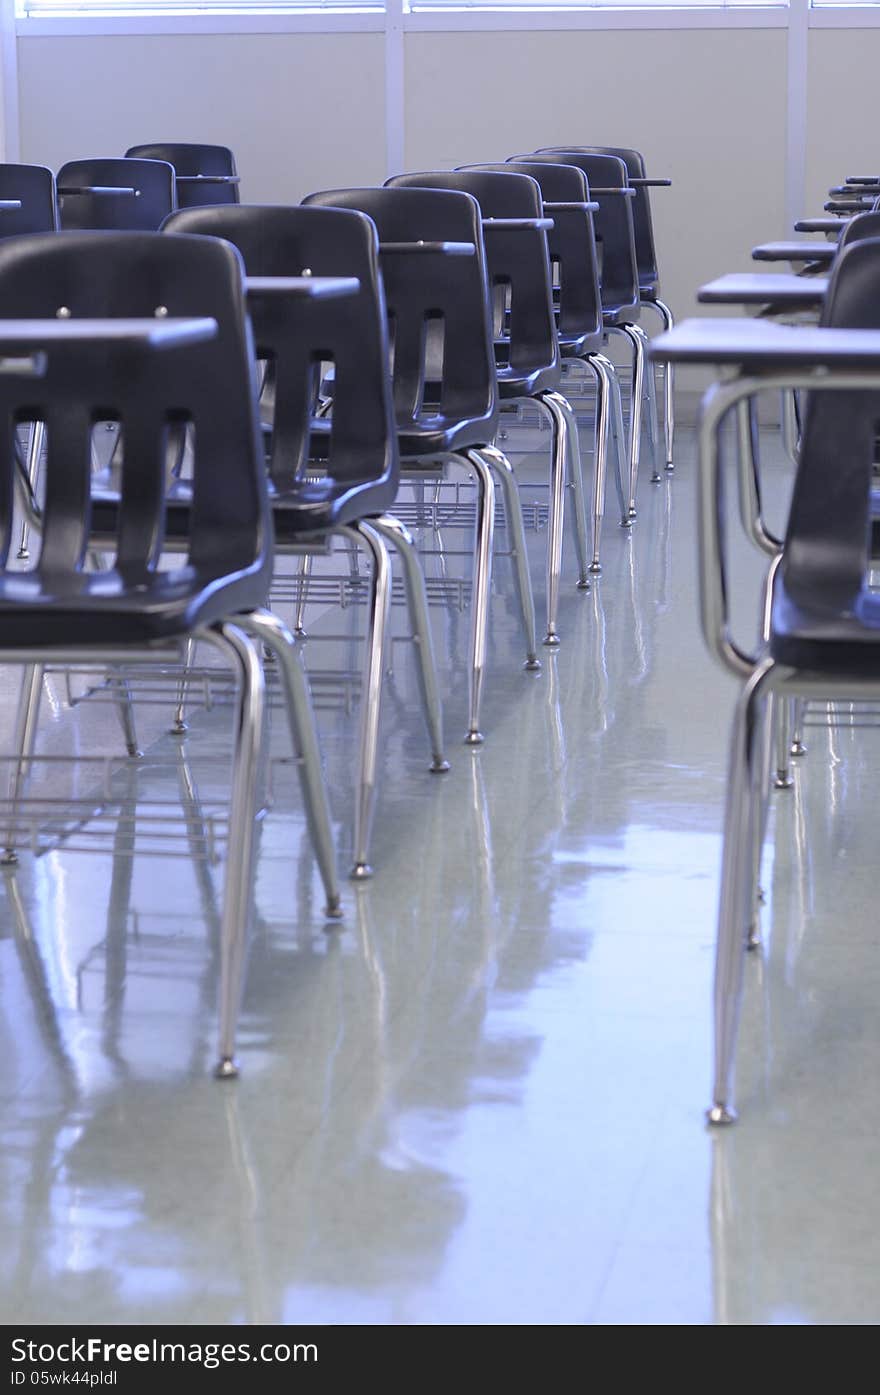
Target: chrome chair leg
[179, 726]
[120, 686]
[650, 407]
[271, 631]
[35, 450]
[556, 517]
[482, 580]
[762, 808]
[574, 478]
[744, 791]
[305, 571]
[374, 665]
[125, 711]
[393, 531]
[783, 778]
[354, 570]
[26, 719]
[239, 880]
[790, 433]
[647, 404]
[637, 394]
[555, 523]
[601, 366]
[176, 449]
[799, 707]
[621, 458]
[669, 389]
[516, 535]
[668, 372]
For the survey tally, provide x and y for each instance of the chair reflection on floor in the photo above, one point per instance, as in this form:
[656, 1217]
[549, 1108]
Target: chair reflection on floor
[362, 1151]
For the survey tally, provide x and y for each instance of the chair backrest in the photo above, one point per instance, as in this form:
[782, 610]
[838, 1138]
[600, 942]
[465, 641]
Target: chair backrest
[298, 338]
[137, 195]
[613, 222]
[825, 559]
[426, 290]
[863, 225]
[210, 386]
[33, 186]
[643, 222]
[190, 161]
[572, 244]
[517, 261]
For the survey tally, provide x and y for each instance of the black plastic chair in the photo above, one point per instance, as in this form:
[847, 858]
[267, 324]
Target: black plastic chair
[354, 446]
[115, 194]
[526, 343]
[821, 636]
[433, 267]
[58, 611]
[619, 280]
[204, 174]
[577, 297]
[28, 202]
[646, 259]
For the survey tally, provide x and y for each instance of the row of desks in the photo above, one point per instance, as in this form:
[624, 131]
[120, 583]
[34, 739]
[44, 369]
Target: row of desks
[762, 345]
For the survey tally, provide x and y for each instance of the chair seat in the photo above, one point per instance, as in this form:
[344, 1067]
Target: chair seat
[578, 346]
[434, 433]
[438, 434]
[649, 289]
[318, 506]
[619, 314]
[91, 609]
[512, 384]
[307, 508]
[826, 638]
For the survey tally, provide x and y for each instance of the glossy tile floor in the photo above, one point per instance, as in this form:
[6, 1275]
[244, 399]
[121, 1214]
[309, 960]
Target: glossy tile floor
[481, 1101]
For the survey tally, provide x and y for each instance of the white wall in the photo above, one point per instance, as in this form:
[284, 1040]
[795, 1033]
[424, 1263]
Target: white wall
[677, 95]
[301, 111]
[843, 132]
[306, 111]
